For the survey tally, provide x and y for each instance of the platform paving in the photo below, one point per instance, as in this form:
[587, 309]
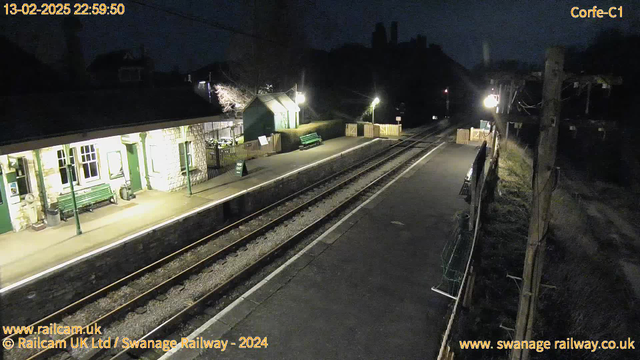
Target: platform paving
[361, 291]
[26, 253]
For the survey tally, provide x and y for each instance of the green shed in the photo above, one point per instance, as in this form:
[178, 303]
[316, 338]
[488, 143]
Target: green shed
[269, 113]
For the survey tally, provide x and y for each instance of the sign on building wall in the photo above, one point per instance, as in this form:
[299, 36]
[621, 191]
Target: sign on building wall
[13, 189]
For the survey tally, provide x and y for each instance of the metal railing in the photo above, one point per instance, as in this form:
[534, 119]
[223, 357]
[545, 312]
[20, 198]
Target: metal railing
[477, 207]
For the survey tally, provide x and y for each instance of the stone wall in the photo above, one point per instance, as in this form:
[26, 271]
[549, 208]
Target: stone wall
[40, 297]
[166, 175]
[163, 148]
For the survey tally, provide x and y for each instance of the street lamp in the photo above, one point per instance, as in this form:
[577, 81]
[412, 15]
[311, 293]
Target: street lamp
[491, 101]
[446, 91]
[375, 102]
[300, 99]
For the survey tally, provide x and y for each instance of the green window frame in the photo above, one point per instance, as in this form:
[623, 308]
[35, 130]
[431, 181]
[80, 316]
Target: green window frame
[89, 159]
[22, 176]
[62, 166]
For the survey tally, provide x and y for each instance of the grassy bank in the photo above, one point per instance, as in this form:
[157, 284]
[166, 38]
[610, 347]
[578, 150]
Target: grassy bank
[590, 249]
[499, 251]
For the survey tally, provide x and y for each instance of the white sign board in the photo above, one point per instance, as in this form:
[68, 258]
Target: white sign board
[263, 140]
[398, 118]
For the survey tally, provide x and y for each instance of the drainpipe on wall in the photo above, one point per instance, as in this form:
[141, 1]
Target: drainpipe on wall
[43, 191]
[143, 139]
[73, 193]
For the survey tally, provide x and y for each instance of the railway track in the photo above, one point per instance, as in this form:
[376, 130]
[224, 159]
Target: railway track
[239, 237]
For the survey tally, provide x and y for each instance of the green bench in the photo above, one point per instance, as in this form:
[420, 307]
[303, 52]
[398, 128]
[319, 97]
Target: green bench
[85, 198]
[310, 140]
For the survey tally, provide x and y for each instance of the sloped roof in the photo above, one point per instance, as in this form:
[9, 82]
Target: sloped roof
[39, 116]
[276, 102]
[114, 60]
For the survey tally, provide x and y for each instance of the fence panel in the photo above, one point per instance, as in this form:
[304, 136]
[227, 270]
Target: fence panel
[390, 129]
[351, 130]
[462, 137]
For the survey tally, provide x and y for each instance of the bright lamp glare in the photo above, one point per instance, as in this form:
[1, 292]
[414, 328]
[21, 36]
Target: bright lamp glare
[300, 99]
[491, 101]
[376, 101]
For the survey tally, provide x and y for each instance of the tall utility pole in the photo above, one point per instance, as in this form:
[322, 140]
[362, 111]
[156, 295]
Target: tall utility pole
[544, 176]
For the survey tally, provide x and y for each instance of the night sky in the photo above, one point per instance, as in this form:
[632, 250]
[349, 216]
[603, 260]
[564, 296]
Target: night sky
[513, 29]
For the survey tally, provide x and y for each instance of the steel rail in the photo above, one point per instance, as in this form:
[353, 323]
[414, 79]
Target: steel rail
[159, 263]
[145, 296]
[221, 289]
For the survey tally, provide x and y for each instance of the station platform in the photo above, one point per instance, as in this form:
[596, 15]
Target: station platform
[362, 290]
[28, 253]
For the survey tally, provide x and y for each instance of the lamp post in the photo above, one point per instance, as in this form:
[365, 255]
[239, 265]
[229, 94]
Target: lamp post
[375, 102]
[446, 91]
[183, 133]
[300, 99]
[70, 169]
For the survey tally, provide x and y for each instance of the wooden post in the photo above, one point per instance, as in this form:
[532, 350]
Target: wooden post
[217, 152]
[586, 109]
[543, 182]
[468, 292]
[506, 140]
[473, 184]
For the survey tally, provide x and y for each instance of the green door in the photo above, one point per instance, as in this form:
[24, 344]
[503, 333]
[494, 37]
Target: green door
[5, 219]
[134, 167]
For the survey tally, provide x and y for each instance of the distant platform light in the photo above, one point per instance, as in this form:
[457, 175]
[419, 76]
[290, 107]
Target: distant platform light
[491, 101]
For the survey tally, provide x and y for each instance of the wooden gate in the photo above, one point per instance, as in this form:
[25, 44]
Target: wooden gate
[351, 130]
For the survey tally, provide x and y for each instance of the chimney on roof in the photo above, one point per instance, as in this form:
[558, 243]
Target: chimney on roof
[394, 33]
[379, 37]
[74, 59]
[421, 41]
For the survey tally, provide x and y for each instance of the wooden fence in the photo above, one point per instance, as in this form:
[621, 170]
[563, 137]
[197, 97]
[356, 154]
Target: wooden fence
[390, 129]
[480, 135]
[351, 130]
[371, 131]
[462, 137]
[377, 130]
[226, 157]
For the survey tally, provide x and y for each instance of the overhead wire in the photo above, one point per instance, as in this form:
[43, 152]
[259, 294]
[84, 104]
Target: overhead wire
[204, 21]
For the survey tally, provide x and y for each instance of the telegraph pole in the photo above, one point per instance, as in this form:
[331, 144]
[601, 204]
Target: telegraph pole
[544, 177]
